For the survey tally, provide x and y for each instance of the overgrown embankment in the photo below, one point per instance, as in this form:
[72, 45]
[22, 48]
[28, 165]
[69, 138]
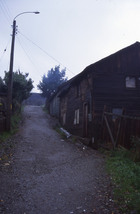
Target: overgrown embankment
[7, 142]
[124, 167]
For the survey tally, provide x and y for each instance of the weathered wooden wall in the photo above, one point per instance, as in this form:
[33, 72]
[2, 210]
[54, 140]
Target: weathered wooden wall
[75, 99]
[55, 106]
[103, 84]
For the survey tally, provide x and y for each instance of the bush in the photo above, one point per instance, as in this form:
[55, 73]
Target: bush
[15, 119]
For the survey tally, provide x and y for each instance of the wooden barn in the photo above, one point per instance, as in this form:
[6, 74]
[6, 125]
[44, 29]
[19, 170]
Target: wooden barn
[109, 88]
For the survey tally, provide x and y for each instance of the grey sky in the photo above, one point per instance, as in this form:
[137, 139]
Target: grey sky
[74, 32]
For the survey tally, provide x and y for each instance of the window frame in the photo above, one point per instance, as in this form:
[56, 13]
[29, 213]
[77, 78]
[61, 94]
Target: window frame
[128, 83]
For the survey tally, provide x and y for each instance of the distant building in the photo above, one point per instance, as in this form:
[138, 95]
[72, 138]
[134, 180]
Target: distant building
[35, 99]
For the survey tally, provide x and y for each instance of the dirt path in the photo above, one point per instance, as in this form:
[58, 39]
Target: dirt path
[48, 175]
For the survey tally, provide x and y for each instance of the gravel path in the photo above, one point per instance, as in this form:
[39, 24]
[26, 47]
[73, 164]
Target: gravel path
[47, 175]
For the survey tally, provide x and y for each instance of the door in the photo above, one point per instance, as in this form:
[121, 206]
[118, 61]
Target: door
[85, 120]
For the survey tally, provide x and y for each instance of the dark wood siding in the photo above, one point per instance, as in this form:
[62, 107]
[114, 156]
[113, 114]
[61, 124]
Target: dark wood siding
[76, 102]
[104, 84]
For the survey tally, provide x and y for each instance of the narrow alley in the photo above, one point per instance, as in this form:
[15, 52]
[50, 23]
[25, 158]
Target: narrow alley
[48, 175]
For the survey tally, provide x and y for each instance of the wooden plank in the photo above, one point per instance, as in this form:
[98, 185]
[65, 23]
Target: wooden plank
[109, 130]
[123, 116]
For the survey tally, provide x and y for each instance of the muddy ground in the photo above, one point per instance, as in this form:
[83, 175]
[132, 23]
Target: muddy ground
[46, 174]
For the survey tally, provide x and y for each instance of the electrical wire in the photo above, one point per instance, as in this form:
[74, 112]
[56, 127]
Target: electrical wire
[6, 15]
[4, 51]
[6, 12]
[7, 9]
[27, 55]
[45, 52]
[3, 54]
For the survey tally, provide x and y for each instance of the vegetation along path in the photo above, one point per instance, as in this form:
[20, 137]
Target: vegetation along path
[49, 175]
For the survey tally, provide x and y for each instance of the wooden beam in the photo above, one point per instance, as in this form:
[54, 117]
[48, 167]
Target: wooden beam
[123, 116]
[109, 130]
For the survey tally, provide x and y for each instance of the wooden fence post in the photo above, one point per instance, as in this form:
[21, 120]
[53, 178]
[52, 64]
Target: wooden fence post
[110, 133]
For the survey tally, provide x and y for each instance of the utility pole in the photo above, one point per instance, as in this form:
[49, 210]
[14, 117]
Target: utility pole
[10, 80]
[10, 77]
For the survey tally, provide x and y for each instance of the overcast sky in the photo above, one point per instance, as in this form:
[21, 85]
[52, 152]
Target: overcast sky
[72, 33]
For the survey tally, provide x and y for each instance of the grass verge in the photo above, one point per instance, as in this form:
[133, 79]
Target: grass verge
[15, 119]
[125, 172]
[7, 143]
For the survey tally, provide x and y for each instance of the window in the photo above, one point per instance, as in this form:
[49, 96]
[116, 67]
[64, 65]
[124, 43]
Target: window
[76, 117]
[116, 111]
[130, 82]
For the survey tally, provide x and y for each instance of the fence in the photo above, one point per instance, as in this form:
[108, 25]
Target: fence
[119, 129]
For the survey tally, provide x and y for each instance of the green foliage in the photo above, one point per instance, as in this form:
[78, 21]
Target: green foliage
[135, 144]
[3, 87]
[21, 88]
[52, 81]
[21, 85]
[1, 82]
[4, 136]
[126, 177]
[6, 141]
[16, 118]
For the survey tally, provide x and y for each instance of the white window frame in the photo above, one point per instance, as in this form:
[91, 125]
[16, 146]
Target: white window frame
[76, 117]
[130, 82]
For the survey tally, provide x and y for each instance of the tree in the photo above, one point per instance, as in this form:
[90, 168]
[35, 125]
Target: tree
[3, 87]
[21, 87]
[52, 81]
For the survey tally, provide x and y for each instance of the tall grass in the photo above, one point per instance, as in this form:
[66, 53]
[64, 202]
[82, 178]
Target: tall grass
[6, 141]
[124, 168]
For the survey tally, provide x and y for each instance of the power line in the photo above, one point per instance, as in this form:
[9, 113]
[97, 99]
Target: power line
[29, 58]
[45, 52]
[2, 54]
[7, 17]
[7, 9]
[4, 51]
